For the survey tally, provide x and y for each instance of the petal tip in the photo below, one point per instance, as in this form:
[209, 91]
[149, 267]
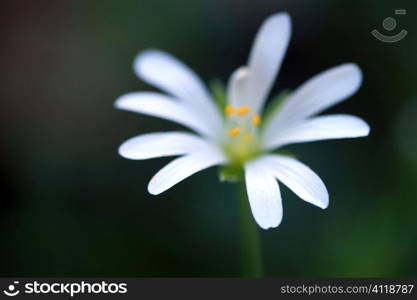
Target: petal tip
[324, 205]
[367, 129]
[356, 73]
[242, 73]
[121, 101]
[282, 16]
[266, 224]
[120, 150]
[270, 225]
[281, 19]
[141, 59]
[124, 152]
[152, 189]
[363, 126]
[118, 104]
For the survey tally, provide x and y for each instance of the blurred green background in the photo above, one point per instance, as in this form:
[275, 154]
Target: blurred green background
[70, 206]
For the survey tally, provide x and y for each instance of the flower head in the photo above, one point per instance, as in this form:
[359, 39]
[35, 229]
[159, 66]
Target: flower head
[240, 138]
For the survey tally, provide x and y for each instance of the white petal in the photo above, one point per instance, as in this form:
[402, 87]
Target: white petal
[266, 56]
[264, 195]
[165, 107]
[235, 90]
[297, 177]
[183, 167]
[320, 92]
[169, 74]
[319, 128]
[161, 144]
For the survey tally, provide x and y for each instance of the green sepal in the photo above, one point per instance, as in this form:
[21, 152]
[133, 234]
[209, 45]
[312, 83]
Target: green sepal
[218, 91]
[284, 153]
[231, 173]
[274, 106]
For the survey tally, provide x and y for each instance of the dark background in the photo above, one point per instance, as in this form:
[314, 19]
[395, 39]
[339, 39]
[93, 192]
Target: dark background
[70, 206]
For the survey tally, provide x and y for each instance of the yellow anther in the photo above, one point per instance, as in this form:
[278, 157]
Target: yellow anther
[248, 138]
[243, 110]
[234, 131]
[256, 119]
[229, 110]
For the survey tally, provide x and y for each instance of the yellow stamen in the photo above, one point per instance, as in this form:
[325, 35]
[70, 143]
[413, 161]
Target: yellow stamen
[243, 110]
[234, 131]
[256, 119]
[248, 138]
[229, 110]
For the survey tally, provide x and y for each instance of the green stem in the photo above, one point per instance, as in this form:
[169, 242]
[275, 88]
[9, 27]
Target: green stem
[249, 237]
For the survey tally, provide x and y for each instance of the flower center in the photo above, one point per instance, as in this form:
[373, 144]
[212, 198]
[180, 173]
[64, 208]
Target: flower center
[241, 140]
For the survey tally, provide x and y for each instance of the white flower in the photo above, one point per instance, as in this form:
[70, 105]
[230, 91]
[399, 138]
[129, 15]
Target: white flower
[238, 138]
